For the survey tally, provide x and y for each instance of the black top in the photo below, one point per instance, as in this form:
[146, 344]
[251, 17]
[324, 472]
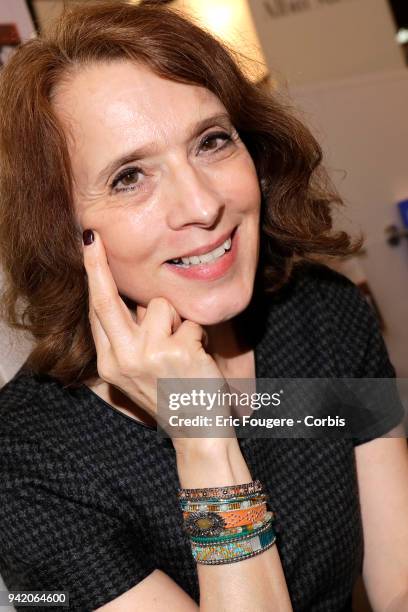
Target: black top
[88, 502]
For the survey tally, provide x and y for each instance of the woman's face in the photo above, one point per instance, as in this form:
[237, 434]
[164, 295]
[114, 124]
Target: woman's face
[191, 186]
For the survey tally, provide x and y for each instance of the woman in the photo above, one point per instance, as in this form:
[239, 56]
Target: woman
[133, 126]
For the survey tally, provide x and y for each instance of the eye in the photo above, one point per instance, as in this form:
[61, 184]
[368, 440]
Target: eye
[128, 179]
[212, 139]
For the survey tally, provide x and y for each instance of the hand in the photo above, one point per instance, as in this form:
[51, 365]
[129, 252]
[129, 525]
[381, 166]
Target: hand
[134, 351]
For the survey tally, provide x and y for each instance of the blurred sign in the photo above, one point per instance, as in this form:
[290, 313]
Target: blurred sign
[280, 8]
[307, 41]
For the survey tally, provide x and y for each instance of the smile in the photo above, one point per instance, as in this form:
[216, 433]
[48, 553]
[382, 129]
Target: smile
[208, 266]
[207, 253]
[205, 258]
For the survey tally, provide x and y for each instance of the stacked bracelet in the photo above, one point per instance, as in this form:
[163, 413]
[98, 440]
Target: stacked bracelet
[228, 552]
[240, 530]
[236, 503]
[246, 532]
[195, 522]
[227, 524]
[224, 492]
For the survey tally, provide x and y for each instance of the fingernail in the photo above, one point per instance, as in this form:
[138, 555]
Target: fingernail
[88, 236]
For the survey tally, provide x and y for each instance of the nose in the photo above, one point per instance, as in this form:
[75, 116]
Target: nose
[193, 198]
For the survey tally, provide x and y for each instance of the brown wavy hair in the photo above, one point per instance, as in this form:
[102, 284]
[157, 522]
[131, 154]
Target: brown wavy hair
[45, 284]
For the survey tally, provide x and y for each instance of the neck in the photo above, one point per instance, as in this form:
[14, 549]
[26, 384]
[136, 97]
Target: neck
[223, 342]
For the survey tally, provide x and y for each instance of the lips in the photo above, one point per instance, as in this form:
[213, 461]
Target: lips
[215, 270]
[208, 247]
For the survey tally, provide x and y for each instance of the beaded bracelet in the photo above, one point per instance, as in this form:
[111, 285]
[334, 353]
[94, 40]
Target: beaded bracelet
[238, 538]
[240, 530]
[198, 523]
[228, 537]
[233, 551]
[227, 524]
[221, 499]
[224, 505]
[251, 487]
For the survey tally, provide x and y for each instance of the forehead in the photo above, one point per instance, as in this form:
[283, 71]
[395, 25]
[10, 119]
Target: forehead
[123, 95]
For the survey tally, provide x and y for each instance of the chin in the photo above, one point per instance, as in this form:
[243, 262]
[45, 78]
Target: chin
[212, 314]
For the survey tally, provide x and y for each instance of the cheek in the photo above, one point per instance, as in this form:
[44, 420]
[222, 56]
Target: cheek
[128, 242]
[129, 249]
[128, 234]
[243, 186]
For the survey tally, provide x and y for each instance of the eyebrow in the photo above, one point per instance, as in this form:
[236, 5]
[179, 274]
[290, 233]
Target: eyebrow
[151, 148]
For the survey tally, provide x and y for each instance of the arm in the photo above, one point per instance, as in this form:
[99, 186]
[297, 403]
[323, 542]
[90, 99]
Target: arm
[257, 583]
[382, 470]
[156, 593]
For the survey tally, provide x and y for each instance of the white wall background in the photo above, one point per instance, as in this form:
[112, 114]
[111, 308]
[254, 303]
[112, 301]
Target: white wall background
[333, 39]
[14, 349]
[362, 125]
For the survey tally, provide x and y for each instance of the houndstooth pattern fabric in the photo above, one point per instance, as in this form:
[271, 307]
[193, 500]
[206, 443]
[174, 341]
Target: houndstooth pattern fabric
[88, 501]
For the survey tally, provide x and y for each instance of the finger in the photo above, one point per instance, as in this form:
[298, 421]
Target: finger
[190, 331]
[161, 318]
[140, 313]
[104, 297]
[177, 320]
[101, 340]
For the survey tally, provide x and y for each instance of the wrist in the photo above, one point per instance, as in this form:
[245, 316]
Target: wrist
[212, 463]
[204, 449]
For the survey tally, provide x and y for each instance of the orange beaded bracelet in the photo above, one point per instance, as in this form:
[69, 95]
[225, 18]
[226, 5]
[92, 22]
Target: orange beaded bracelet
[237, 518]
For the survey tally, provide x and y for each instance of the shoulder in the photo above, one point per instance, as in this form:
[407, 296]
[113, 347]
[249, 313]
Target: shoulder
[46, 428]
[32, 406]
[37, 432]
[316, 296]
[21, 400]
[318, 282]
[324, 316]
[316, 288]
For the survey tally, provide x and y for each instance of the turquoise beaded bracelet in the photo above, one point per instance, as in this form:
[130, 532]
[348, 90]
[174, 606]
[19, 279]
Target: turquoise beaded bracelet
[233, 551]
[223, 505]
[225, 537]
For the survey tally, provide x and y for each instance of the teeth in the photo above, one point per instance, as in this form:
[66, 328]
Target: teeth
[220, 251]
[205, 257]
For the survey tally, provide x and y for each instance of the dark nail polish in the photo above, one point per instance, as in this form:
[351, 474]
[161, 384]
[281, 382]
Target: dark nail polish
[88, 236]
